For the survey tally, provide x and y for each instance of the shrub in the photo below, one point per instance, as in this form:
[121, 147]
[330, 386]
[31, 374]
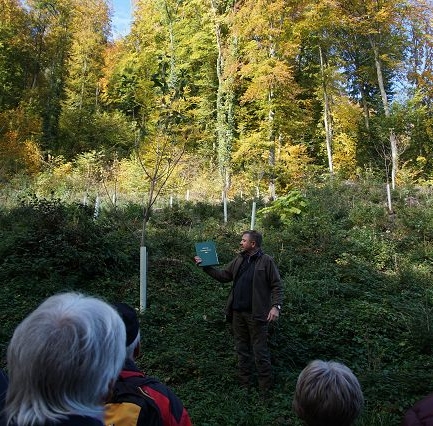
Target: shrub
[357, 289]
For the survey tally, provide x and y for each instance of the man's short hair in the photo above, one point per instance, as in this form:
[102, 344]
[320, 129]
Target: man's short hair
[327, 393]
[254, 236]
[63, 358]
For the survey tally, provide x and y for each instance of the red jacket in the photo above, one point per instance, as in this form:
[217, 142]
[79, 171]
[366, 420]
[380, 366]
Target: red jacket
[172, 411]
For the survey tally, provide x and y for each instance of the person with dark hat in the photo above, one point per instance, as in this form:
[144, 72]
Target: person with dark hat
[156, 397]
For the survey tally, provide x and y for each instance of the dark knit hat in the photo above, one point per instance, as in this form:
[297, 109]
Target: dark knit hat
[129, 317]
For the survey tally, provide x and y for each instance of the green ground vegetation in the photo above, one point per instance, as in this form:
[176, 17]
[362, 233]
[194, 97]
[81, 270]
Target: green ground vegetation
[357, 282]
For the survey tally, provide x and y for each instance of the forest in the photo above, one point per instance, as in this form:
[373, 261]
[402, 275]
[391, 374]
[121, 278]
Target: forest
[317, 115]
[253, 96]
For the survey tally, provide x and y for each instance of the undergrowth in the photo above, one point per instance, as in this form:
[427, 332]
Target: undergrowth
[356, 278]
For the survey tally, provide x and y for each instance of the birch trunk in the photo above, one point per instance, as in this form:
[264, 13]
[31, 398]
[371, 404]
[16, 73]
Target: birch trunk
[327, 118]
[392, 138]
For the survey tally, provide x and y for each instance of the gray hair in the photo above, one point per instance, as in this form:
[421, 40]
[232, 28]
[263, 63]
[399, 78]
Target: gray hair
[327, 393]
[63, 359]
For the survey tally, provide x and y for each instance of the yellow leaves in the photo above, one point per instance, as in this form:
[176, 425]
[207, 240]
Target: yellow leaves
[347, 116]
[8, 144]
[295, 154]
[63, 170]
[268, 75]
[84, 175]
[130, 179]
[252, 149]
[291, 159]
[19, 153]
[292, 165]
[261, 18]
[345, 154]
[18, 156]
[421, 161]
[32, 157]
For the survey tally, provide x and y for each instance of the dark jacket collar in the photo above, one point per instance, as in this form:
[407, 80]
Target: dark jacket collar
[253, 256]
[130, 365]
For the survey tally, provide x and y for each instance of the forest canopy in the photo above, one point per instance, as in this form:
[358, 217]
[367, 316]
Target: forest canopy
[252, 96]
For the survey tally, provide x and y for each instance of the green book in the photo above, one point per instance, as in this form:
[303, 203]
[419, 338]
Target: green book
[207, 251]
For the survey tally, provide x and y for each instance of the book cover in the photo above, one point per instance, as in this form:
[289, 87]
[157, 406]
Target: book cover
[207, 251]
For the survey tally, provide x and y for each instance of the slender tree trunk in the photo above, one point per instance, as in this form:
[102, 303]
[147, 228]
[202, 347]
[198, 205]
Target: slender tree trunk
[172, 81]
[394, 157]
[380, 77]
[83, 84]
[366, 112]
[272, 131]
[224, 106]
[271, 115]
[147, 211]
[327, 117]
[392, 138]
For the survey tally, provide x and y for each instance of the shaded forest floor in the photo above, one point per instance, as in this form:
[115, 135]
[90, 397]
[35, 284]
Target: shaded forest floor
[357, 289]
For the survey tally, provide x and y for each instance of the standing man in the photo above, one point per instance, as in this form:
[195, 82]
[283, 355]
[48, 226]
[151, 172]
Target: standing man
[254, 301]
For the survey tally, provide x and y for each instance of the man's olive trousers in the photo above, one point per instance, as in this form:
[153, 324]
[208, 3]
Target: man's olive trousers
[251, 342]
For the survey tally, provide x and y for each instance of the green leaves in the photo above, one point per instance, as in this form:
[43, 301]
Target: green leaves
[357, 284]
[285, 208]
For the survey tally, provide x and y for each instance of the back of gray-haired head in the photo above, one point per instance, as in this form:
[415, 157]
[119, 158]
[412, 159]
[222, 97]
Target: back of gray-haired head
[327, 394]
[63, 358]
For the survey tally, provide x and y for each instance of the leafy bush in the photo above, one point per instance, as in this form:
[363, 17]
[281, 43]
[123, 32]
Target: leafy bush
[357, 289]
[282, 211]
[50, 247]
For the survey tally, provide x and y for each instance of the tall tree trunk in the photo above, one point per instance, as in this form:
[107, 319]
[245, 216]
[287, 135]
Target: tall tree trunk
[271, 115]
[272, 132]
[172, 80]
[365, 110]
[224, 106]
[327, 117]
[394, 156]
[392, 138]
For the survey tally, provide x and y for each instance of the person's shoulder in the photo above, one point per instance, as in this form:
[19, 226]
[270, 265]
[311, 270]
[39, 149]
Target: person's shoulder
[160, 387]
[3, 378]
[141, 379]
[421, 413]
[75, 420]
[3, 388]
[266, 257]
[155, 383]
